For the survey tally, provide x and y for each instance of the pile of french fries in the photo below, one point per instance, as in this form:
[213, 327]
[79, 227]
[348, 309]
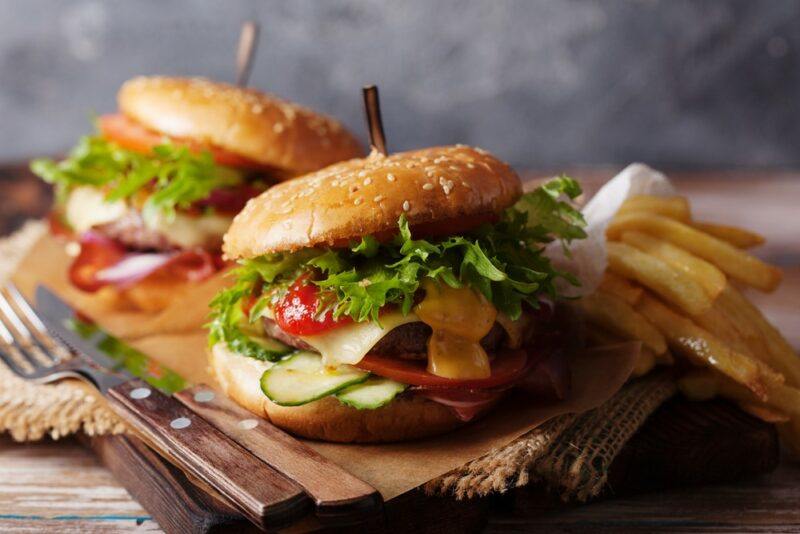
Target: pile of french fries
[673, 284]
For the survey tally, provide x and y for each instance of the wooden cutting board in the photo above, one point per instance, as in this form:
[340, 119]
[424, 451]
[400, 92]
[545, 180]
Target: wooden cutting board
[682, 444]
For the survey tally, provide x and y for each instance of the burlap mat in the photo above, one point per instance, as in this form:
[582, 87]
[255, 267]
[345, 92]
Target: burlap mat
[569, 454]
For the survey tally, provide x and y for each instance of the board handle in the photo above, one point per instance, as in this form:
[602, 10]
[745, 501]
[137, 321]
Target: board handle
[162, 489]
[260, 493]
[340, 497]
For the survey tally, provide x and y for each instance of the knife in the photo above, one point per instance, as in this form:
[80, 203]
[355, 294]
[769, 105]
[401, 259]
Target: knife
[340, 497]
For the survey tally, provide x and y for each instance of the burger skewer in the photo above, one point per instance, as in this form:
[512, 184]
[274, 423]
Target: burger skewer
[372, 108]
[246, 52]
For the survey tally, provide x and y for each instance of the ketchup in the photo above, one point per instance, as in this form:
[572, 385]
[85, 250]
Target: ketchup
[297, 313]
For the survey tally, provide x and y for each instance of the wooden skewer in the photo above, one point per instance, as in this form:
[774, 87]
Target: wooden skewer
[248, 41]
[372, 106]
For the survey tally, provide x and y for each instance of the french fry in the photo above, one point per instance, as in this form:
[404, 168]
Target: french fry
[718, 323]
[645, 363]
[671, 284]
[621, 287]
[704, 384]
[764, 412]
[737, 264]
[711, 279]
[784, 398]
[749, 319]
[703, 347]
[738, 237]
[619, 317]
[673, 207]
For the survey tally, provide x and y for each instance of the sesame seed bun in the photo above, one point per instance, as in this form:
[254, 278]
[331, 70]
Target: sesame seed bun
[367, 196]
[327, 419]
[258, 126]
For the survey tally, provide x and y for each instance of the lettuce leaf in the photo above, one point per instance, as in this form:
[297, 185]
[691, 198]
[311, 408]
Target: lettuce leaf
[504, 261]
[173, 177]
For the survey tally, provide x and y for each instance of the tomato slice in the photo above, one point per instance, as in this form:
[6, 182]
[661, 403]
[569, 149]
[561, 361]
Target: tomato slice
[507, 367]
[298, 311]
[131, 135]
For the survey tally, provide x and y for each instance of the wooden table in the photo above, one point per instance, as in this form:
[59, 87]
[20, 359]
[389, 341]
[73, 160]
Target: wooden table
[60, 486]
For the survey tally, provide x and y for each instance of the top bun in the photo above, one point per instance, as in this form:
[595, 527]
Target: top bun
[249, 123]
[367, 196]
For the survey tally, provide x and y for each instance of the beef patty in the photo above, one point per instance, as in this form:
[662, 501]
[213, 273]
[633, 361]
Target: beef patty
[406, 341]
[131, 232]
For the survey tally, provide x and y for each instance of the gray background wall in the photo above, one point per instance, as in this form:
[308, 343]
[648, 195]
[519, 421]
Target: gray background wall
[540, 82]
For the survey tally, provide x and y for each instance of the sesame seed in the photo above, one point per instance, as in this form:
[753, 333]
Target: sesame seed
[406, 205]
[470, 166]
[465, 184]
[378, 198]
[257, 108]
[390, 177]
[427, 187]
[362, 174]
[358, 201]
[277, 127]
[367, 181]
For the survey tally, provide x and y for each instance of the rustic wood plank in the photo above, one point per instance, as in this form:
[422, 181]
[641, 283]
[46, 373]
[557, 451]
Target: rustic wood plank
[340, 497]
[61, 487]
[256, 490]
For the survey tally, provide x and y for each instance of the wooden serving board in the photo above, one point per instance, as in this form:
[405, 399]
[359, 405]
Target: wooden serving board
[683, 444]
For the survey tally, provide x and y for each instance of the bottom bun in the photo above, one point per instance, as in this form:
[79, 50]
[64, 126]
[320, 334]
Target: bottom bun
[406, 417]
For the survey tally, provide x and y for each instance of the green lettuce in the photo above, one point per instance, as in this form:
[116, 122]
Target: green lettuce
[504, 261]
[173, 176]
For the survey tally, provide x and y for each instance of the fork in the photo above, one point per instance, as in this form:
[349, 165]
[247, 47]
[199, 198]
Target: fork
[200, 449]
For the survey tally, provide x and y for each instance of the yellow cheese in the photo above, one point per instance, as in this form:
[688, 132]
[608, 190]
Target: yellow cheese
[349, 344]
[188, 231]
[460, 318]
[87, 207]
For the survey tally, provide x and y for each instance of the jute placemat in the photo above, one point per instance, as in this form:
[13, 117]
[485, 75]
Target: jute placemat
[569, 454]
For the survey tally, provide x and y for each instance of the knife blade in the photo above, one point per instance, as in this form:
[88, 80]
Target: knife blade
[107, 351]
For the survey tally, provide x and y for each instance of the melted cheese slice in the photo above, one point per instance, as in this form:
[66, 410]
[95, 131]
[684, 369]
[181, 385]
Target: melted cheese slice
[350, 343]
[459, 317]
[187, 231]
[87, 207]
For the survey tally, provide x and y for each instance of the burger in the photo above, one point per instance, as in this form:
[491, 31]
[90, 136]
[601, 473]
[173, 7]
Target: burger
[149, 196]
[393, 297]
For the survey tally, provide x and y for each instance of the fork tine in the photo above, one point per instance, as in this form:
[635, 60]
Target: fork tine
[54, 349]
[10, 354]
[24, 307]
[24, 341]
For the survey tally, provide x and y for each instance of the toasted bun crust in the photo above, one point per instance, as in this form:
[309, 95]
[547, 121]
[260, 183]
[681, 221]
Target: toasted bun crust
[367, 196]
[255, 125]
[327, 419]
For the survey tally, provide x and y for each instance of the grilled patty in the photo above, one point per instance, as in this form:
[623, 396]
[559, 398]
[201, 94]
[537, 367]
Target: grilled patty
[406, 341]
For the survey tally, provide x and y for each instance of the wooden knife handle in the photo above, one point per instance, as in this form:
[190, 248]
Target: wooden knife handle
[162, 489]
[259, 492]
[341, 498]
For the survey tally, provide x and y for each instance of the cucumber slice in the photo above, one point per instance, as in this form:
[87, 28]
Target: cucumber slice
[301, 378]
[251, 341]
[370, 394]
